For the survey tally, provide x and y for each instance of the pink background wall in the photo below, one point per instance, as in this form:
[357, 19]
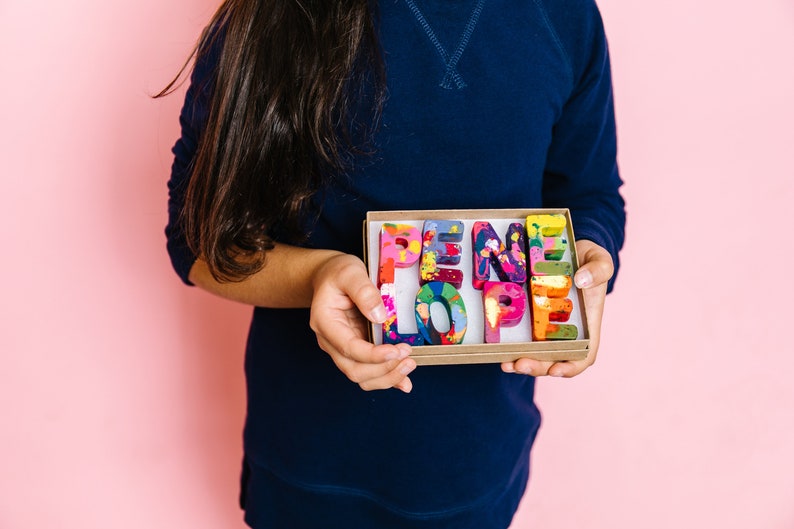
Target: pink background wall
[121, 391]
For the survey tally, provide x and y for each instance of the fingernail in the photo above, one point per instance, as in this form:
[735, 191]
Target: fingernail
[405, 350]
[526, 371]
[406, 385]
[583, 278]
[407, 367]
[402, 351]
[378, 314]
[557, 374]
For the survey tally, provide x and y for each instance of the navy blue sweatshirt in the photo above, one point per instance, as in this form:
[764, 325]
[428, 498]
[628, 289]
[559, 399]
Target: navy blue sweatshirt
[491, 104]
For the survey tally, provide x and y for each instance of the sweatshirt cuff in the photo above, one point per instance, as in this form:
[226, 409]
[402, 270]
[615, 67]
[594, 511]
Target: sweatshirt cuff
[587, 228]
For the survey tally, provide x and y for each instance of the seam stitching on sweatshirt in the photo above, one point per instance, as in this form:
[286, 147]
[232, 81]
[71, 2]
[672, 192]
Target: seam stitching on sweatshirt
[556, 37]
[452, 78]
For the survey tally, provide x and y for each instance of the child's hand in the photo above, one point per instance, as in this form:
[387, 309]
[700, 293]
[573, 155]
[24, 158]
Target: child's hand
[595, 270]
[342, 293]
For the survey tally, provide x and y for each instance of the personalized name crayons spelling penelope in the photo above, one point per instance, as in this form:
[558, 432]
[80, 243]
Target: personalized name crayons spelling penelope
[438, 251]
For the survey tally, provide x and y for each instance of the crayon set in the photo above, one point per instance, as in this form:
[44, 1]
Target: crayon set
[472, 286]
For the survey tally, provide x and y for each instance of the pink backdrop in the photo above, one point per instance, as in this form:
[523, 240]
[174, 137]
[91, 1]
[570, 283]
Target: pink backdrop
[121, 391]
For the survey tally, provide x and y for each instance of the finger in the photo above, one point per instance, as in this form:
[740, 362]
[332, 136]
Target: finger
[364, 352]
[527, 366]
[396, 378]
[376, 376]
[345, 331]
[569, 369]
[596, 265]
[366, 296]
[348, 344]
[382, 368]
[390, 373]
[405, 385]
[537, 368]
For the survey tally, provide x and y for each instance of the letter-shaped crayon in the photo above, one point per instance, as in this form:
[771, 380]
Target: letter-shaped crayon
[546, 310]
[550, 286]
[551, 278]
[440, 246]
[510, 263]
[400, 247]
[504, 305]
[390, 326]
[450, 298]
[547, 245]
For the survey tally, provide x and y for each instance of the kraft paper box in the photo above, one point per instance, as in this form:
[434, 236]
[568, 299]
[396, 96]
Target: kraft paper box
[442, 309]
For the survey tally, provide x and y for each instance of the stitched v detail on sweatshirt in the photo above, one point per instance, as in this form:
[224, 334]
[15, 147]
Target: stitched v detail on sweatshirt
[452, 78]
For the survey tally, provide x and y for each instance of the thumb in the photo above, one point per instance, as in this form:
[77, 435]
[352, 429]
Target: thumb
[596, 266]
[366, 296]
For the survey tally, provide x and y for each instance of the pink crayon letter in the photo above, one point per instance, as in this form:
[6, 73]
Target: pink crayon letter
[504, 305]
[400, 247]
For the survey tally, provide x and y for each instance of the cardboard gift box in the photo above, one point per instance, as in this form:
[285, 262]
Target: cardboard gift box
[418, 257]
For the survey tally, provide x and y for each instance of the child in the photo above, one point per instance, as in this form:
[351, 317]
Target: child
[301, 116]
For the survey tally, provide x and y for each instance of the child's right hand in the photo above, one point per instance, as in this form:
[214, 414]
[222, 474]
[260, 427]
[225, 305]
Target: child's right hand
[344, 302]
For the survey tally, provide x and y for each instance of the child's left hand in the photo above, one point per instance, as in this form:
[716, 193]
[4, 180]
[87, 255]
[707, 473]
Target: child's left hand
[596, 268]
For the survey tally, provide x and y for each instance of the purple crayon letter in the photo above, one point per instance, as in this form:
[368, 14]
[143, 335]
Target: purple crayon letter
[509, 263]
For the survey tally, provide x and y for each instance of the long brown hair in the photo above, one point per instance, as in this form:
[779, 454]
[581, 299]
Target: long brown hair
[281, 122]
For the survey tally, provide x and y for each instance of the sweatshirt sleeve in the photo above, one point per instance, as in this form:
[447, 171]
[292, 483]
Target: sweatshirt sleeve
[581, 170]
[192, 119]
